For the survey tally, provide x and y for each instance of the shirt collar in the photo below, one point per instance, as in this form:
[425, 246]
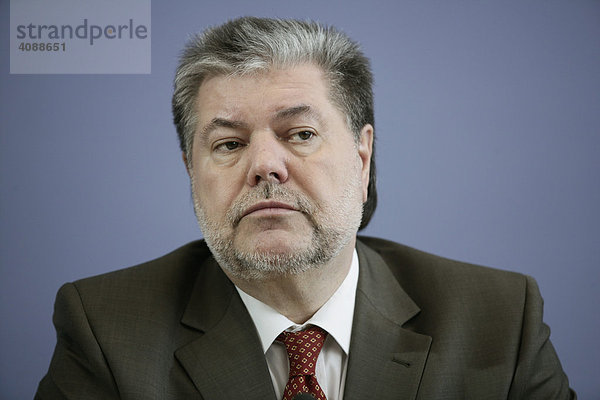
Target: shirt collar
[335, 316]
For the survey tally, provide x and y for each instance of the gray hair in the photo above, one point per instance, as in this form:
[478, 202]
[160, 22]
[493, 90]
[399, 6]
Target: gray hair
[248, 45]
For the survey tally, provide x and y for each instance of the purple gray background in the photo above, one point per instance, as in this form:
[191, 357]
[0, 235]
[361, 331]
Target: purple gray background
[488, 125]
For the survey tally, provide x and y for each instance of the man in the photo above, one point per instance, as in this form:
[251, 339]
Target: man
[275, 120]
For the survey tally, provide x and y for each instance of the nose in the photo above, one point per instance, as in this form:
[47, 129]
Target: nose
[268, 159]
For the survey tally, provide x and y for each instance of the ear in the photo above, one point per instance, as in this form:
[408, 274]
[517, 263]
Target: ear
[185, 162]
[365, 152]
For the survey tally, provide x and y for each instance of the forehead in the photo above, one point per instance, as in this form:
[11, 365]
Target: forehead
[263, 92]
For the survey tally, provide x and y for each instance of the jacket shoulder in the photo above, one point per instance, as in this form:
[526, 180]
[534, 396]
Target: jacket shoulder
[157, 289]
[181, 263]
[427, 277]
[405, 258]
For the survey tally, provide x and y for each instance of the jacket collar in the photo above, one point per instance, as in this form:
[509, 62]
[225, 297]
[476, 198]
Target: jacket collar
[386, 361]
[225, 360]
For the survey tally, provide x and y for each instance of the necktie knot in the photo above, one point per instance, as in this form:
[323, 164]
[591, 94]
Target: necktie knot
[303, 349]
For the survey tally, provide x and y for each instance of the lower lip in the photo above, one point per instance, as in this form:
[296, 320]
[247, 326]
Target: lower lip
[271, 212]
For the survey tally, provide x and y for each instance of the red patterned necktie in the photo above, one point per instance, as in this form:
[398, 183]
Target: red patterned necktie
[303, 348]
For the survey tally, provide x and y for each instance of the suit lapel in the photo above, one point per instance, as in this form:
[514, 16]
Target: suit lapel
[386, 361]
[225, 361]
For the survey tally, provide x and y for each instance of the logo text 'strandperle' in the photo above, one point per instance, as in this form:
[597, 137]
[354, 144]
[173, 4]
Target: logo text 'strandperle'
[84, 31]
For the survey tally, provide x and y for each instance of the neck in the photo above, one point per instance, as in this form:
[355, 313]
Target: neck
[298, 297]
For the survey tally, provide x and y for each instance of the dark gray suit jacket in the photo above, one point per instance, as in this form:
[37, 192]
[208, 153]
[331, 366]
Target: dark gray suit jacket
[424, 328]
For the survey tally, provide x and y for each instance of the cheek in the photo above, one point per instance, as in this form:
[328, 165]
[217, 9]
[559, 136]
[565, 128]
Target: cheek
[215, 190]
[328, 178]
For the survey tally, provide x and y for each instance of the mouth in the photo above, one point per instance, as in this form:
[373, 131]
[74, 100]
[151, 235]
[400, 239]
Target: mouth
[268, 209]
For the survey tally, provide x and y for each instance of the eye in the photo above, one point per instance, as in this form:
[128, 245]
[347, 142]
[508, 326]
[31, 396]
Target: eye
[232, 145]
[302, 136]
[228, 146]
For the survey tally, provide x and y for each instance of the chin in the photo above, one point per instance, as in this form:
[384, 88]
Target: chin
[276, 243]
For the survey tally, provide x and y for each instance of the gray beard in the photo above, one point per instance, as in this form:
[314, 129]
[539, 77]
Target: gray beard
[330, 235]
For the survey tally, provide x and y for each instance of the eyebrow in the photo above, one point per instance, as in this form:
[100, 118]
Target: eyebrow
[300, 110]
[222, 123]
[281, 115]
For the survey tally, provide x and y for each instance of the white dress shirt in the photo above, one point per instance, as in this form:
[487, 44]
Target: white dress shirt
[335, 316]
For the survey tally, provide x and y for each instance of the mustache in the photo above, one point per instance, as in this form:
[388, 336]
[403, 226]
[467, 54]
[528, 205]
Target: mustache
[274, 192]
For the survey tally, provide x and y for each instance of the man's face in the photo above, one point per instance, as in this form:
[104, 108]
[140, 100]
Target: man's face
[278, 179]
